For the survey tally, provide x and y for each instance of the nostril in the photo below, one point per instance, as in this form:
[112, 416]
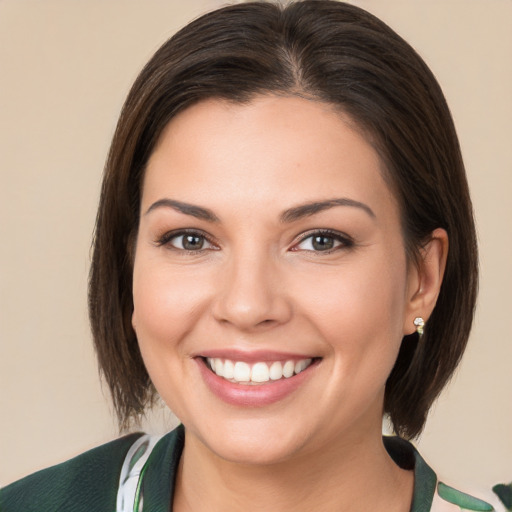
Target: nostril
[249, 300]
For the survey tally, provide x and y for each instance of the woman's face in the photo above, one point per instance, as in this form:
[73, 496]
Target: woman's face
[270, 248]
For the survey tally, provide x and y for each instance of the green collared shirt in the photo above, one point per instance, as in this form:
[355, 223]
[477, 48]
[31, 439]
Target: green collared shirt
[91, 481]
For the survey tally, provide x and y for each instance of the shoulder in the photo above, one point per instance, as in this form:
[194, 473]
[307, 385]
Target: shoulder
[84, 483]
[497, 499]
[432, 495]
[449, 499]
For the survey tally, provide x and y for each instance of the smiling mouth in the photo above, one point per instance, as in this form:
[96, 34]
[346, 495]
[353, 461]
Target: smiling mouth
[240, 372]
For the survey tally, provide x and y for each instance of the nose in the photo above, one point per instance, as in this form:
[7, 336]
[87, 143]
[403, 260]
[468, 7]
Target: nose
[251, 295]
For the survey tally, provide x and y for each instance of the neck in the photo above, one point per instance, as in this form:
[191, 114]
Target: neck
[354, 473]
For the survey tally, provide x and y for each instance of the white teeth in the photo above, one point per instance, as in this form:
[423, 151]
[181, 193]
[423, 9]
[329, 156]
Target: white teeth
[276, 371]
[260, 373]
[241, 372]
[229, 369]
[219, 367]
[301, 365]
[288, 369]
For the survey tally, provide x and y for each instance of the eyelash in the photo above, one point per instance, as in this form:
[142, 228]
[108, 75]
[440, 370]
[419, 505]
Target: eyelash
[344, 241]
[165, 240]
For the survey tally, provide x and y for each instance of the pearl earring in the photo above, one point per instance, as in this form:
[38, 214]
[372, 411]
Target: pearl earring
[419, 323]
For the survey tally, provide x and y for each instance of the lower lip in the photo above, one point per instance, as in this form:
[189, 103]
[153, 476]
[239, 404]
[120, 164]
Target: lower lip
[247, 395]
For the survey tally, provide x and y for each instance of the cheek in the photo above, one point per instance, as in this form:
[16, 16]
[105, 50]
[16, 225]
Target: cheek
[167, 307]
[360, 309]
[166, 304]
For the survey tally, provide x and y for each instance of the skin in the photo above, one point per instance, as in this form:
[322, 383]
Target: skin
[258, 284]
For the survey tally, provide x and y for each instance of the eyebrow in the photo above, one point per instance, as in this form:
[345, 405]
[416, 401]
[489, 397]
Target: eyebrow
[289, 215]
[186, 208]
[305, 210]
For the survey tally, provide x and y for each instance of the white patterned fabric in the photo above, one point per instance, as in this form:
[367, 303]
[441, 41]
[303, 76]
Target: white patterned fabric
[129, 497]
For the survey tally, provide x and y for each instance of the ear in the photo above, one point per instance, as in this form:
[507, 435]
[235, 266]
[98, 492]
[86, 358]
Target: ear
[424, 279]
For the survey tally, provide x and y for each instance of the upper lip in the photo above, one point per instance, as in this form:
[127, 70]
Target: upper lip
[252, 356]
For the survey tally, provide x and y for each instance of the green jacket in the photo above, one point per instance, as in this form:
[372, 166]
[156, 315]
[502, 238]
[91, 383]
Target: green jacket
[90, 482]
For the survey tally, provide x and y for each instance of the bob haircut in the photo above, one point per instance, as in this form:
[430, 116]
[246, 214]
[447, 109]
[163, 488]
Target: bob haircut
[325, 51]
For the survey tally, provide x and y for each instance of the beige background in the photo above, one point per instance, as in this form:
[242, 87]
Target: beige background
[65, 68]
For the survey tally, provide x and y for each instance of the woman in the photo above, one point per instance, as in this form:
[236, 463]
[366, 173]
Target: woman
[284, 251]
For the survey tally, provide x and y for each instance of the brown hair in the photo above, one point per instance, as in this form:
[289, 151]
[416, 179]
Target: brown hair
[332, 52]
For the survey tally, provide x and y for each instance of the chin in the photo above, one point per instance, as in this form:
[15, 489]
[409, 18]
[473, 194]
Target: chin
[254, 442]
[258, 452]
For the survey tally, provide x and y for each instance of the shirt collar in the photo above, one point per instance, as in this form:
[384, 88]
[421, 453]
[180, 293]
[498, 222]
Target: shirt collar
[425, 480]
[163, 464]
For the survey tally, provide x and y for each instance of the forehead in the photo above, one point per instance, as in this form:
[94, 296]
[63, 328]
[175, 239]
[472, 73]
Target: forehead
[270, 151]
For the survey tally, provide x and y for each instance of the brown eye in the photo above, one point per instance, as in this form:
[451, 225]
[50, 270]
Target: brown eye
[186, 241]
[322, 243]
[191, 242]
